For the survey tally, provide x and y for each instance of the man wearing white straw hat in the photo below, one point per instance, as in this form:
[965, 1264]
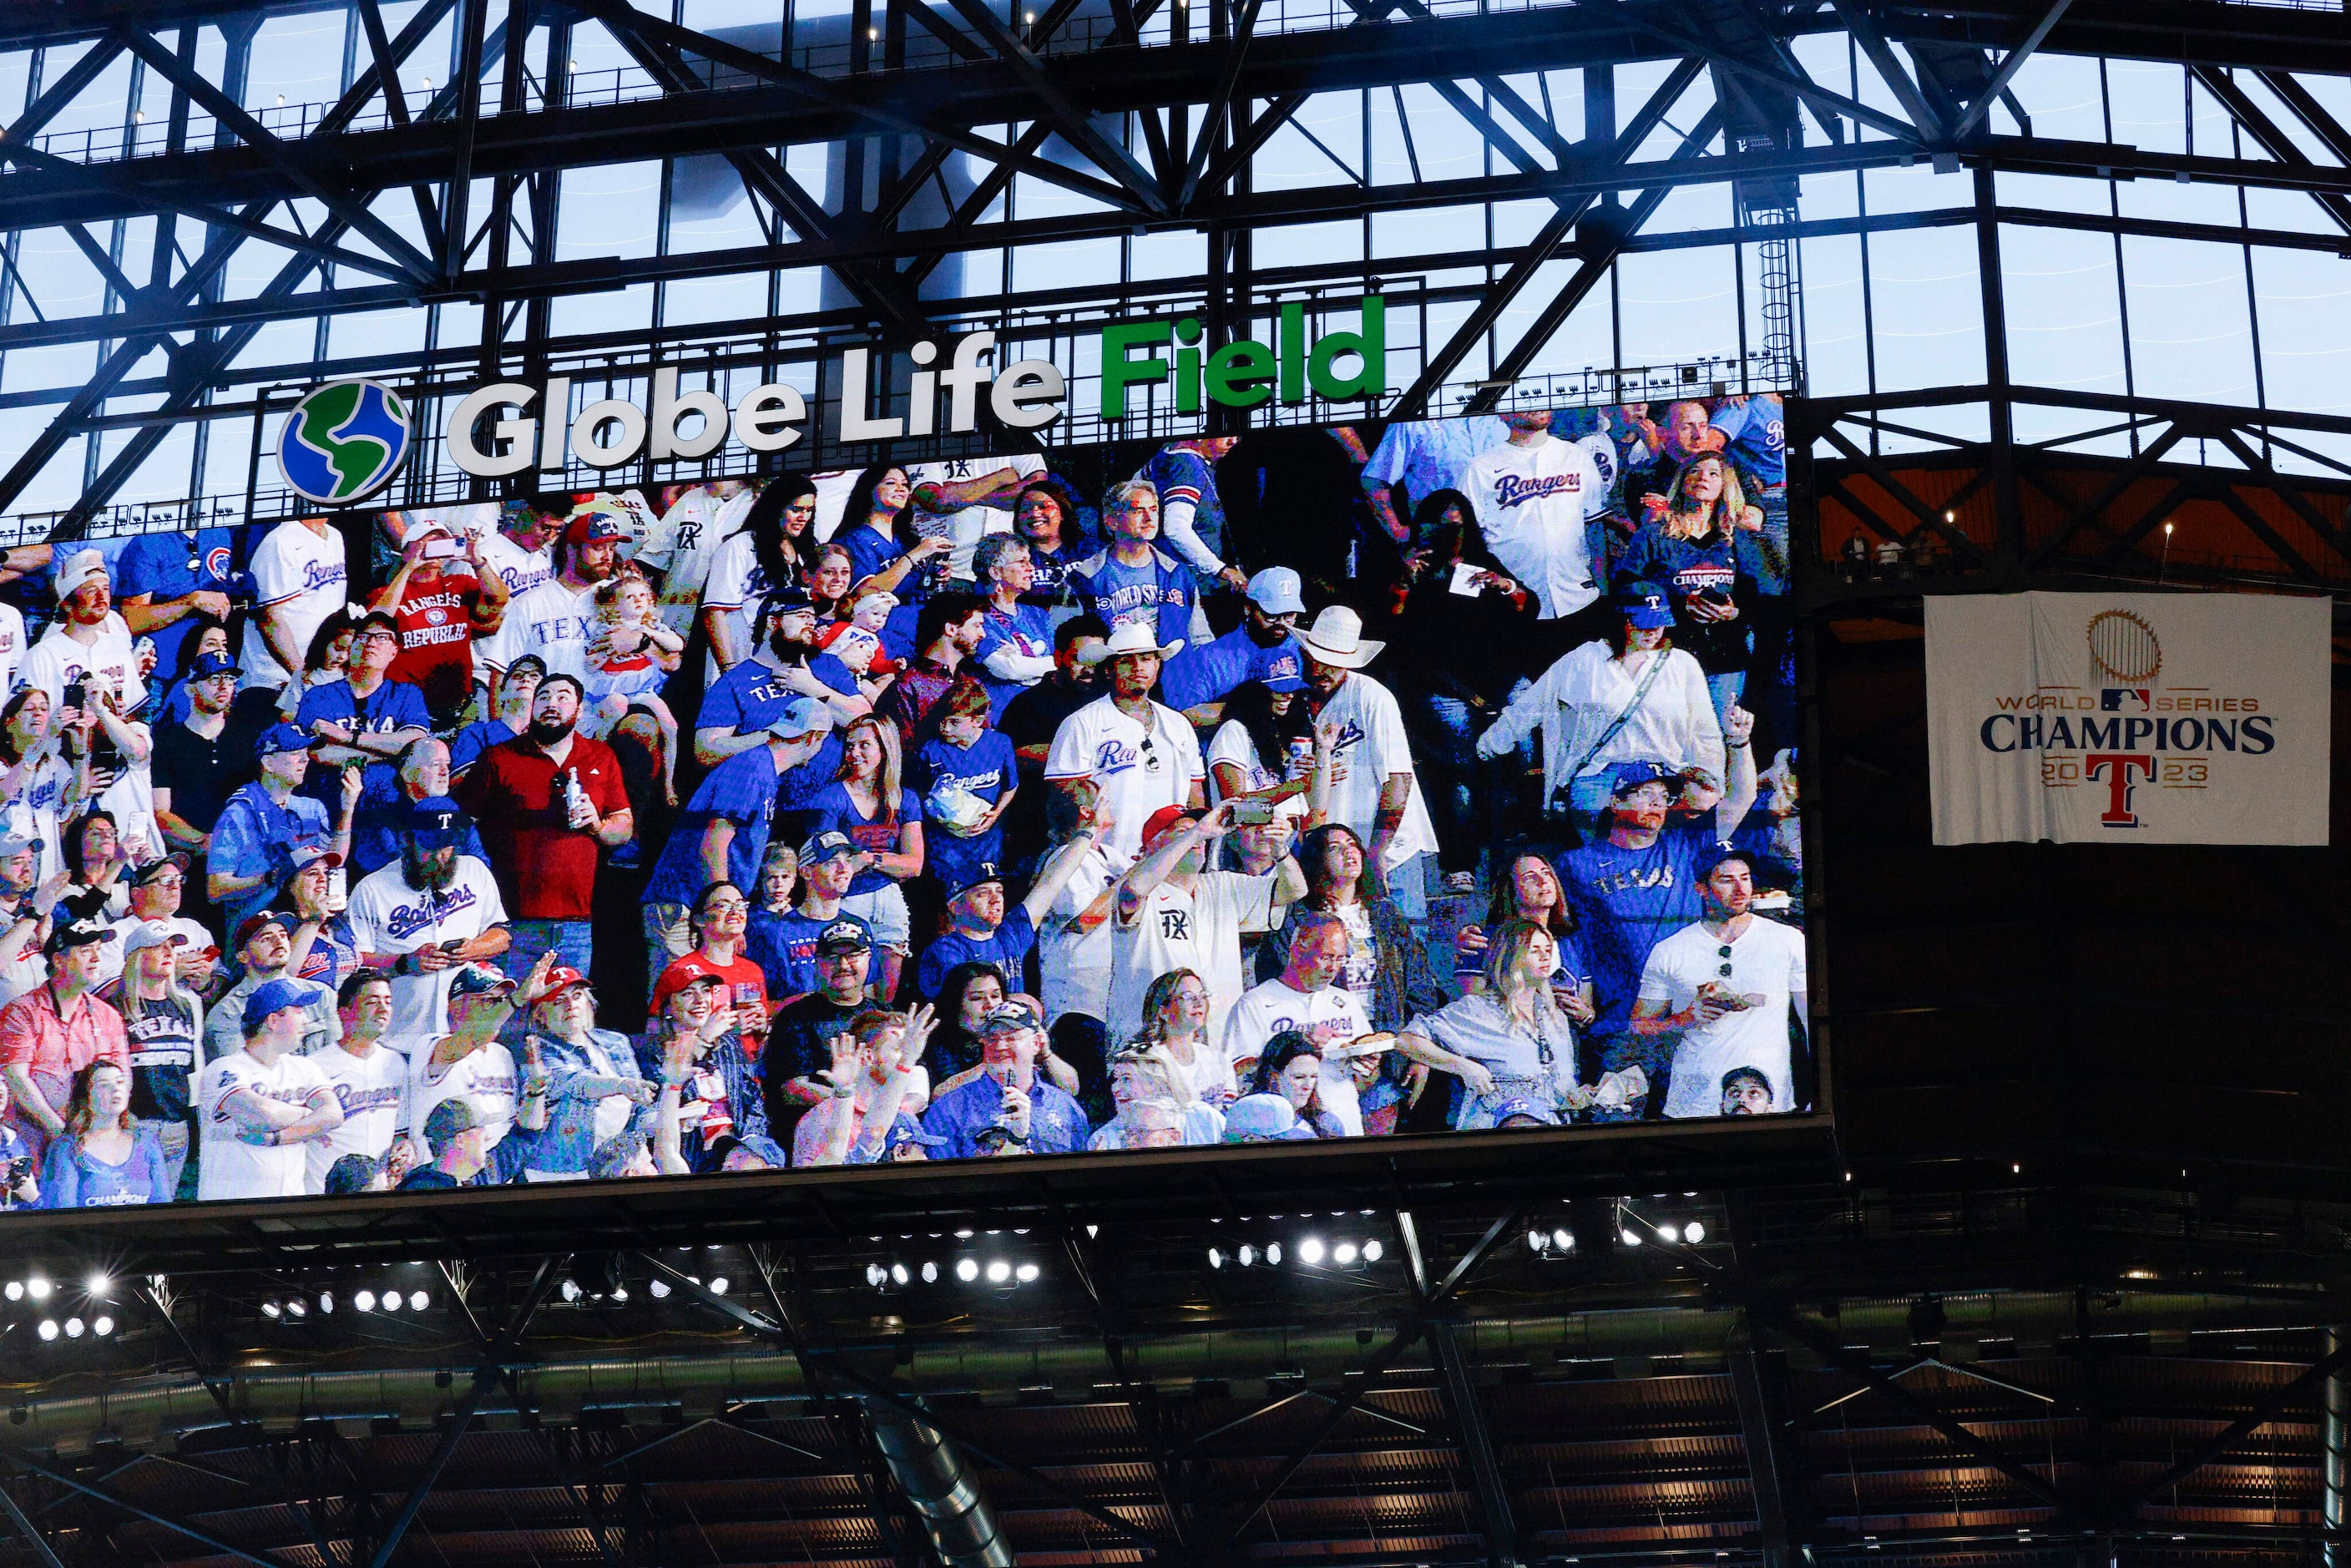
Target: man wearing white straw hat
[1373, 790]
[1142, 755]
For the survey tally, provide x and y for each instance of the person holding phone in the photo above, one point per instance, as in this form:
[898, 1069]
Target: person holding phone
[1172, 914]
[442, 601]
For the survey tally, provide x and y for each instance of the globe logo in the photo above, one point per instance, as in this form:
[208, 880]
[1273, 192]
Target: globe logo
[343, 440]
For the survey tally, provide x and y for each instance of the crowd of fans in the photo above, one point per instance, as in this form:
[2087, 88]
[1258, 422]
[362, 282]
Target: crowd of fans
[1317, 784]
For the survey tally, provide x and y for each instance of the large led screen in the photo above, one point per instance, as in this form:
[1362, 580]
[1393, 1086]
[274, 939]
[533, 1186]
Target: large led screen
[1376, 781]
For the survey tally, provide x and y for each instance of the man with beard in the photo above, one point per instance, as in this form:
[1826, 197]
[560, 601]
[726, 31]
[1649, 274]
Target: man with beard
[786, 665]
[1139, 754]
[1261, 648]
[1724, 992]
[556, 619]
[422, 916]
[549, 800]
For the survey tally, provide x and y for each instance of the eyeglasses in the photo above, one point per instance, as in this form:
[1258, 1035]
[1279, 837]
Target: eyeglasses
[1723, 953]
[379, 634]
[735, 906]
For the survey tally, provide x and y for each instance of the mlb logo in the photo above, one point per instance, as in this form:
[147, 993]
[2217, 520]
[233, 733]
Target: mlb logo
[2113, 700]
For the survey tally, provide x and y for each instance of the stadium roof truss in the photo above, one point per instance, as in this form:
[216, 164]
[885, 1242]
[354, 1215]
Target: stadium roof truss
[893, 166]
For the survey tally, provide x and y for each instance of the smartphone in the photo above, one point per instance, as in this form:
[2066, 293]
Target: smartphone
[453, 945]
[440, 546]
[1252, 813]
[76, 696]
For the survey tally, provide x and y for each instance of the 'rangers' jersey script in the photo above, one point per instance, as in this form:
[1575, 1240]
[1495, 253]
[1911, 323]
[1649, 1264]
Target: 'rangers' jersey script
[227, 1169]
[1532, 502]
[390, 917]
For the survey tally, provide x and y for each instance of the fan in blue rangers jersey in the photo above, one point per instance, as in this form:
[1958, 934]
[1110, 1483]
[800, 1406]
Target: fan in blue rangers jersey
[1261, 648]
[969, 777]
[1132, 578]
[785, 946]
[785, 666]
[723, 835]
[1637, 884]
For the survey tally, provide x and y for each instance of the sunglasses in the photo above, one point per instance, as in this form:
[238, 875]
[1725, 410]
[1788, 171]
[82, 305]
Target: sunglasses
[1723, 953]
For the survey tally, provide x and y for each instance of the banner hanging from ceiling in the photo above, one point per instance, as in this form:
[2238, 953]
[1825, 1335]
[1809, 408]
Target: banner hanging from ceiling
[2164, 718]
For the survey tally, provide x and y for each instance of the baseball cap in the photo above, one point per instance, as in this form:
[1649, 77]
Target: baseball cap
[1626, 776]
[1008, 1017]
[533, 660]
[207, 665]
[690, 970]
[905, 1130]
[822, 847]
[1526, 1108]
[310, 852]
[1278, 591]
[437, 814]
[79, 569]
[12, 845]
[152, 933]
[1263, 1119]
[146, 871]
[248, 927]
[478, 980]
[800, 717]
[1717, 853]
[767, 1150]
[75, 934]
[280, 738]
[791, 596]
[276, 997]
[561, 978]
[445, 1121]
[1645, 608]
[976, 875]
[844, 937]
[593, 523]
[1166, 821]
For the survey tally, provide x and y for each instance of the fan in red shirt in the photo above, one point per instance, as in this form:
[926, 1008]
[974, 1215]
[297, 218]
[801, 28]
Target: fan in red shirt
[547, 803]
[720, 917]
[442, 599]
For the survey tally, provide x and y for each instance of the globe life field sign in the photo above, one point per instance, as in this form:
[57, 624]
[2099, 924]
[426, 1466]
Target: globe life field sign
[343, 440]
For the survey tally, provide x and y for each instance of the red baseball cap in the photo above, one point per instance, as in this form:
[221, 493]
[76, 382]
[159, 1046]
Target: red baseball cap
[559, 977]
[691, 970]
[1166, 821]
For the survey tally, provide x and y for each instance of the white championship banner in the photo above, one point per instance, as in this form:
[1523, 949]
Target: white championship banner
[2158, 719]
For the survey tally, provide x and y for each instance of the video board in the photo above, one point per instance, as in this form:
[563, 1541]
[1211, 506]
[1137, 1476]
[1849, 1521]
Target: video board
[1371, 781]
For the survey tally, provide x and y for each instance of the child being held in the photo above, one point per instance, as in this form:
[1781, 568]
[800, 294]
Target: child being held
[970, 774]
[630, 655]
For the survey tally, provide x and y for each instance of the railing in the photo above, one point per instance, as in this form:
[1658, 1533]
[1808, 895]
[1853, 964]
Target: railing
[149, 136]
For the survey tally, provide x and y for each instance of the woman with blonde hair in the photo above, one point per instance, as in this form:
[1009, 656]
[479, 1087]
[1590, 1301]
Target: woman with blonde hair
[1512, 1040]
[1707, 552]
[868, 801]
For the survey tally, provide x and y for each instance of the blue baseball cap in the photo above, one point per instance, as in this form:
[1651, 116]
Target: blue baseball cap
[1277, 591]
[905, 1130]
[478, 980]
[276, 997]
[280, 738]
[1626, 776]
[1645, 610]
[437, 814]
[207, 665]
[1527, 1109]
[823, 846]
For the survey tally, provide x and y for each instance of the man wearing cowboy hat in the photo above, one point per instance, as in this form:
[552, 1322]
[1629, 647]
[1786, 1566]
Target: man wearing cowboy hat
[1140, 754]
[1374, 791]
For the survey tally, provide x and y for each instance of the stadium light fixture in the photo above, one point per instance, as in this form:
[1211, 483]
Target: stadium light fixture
[48, 1329]
[103, 1326]
[364, 1301]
